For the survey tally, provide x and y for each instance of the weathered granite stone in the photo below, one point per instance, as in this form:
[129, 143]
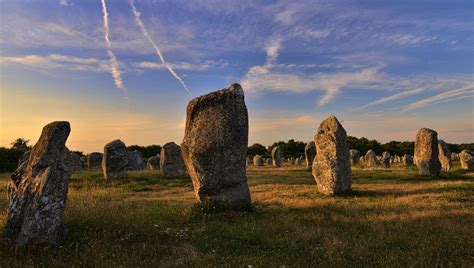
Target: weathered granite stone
[268, 162]
[386, 159]
[331, 167]
[276, 156]
[214, 147]
[370, 159]
[94, 160]
[73, 163]
[444, 156]
[115, 160]
[38, 191]
[426, 152]
[466, 158]
[153, 162]
[310, 154]
[135, 161]
[171, 160]
[248, 161]
[354, 157]
[407, 160]
[454, 156]
[258, 160]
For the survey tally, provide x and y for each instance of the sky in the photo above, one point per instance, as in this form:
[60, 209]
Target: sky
[127, 69]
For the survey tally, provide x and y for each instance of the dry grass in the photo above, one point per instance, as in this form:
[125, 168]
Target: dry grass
[391, 218]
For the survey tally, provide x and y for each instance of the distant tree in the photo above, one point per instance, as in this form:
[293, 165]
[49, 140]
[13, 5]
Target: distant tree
[81, 154]
[146, 151]
[291, 148]
[255, 149]
[21, 144]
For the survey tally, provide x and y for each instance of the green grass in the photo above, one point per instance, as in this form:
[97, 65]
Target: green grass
[390, 218]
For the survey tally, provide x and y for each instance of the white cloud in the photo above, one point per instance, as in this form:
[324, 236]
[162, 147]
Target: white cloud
[64, 2]
[455, 94]
[188, 66]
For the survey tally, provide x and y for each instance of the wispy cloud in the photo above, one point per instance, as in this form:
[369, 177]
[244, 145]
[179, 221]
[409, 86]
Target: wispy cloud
[58, 61]
[393, 97]
[114, 67]
[455, 94]
[64, 2]
[188, 66]
[158, 51]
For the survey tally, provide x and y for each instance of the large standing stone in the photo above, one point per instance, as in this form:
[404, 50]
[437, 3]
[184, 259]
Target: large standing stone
[426, 152]
[310, 154]
[370, 159]
[153, 162]
[386, 159]
[444, 156]
[407, 160]
[276, 156]
[37, 193]
[331, 167]
[467, 159]
[354, 156]
[94, 160]
[115, 160]
[135, 161]
[171, 160]
[214, 147]
[258, 160]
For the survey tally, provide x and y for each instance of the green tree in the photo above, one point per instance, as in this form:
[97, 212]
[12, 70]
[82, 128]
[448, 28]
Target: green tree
[291, 148]
[255, 149]
[21, 144]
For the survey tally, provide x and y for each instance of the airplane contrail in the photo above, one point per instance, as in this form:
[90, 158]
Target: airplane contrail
[113, 60]
[145, 33]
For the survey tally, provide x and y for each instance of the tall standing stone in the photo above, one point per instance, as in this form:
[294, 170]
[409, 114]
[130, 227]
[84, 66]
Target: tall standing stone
[276, 156]
[37, 193]
[444, 156]
[466, 158]
[215, 145]
[115, 160]
[370, 159]
[426, 152]
[171, 160]
[331, 167]
[310, 154]
[94, 160]
[258, 160]
[354, 156]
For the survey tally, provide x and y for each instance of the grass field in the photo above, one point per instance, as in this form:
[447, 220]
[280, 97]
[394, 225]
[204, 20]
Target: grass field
[391, 218]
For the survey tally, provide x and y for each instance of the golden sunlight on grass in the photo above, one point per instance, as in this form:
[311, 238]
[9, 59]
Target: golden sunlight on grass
[391, 218]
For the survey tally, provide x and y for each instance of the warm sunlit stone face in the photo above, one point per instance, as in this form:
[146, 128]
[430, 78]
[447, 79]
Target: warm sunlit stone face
[384, 70]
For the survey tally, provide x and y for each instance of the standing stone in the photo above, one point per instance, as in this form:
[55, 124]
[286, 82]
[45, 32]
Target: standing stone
[426, 152]
[115, 160]
[37, 193]
[386, 159]
[214, 147]
[94, 160]
[454, 156]
[268, 161]
[248, 161]
[407, 160]
[467, 159]
[444, 156]
[153, 162]
[370, 159]
[331, 167]
[135, 161]
[362, 160]
[171, 160]
[276, 157]
[258, 160]
[310, 154]
[354, 157]
[73, 163]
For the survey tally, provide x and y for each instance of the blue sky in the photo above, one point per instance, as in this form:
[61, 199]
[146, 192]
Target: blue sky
[384, 68]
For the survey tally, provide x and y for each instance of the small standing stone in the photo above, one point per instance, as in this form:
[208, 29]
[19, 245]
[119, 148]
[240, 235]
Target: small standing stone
[310, 154]
[73, 163]
[115, 160]
[331, 167]
[248, 161]
[258, 160]
[355, 157]
[426, 152]
[94, 160]
[38, 191]
[370, 159]
[153, 162]
[276, 156]
[444, 156]
[135, 161]
[171, 160]
[386, 159]
[466, 158]
[407, 160]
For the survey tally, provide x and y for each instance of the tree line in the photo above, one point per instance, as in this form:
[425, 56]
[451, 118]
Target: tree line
[9, 156]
